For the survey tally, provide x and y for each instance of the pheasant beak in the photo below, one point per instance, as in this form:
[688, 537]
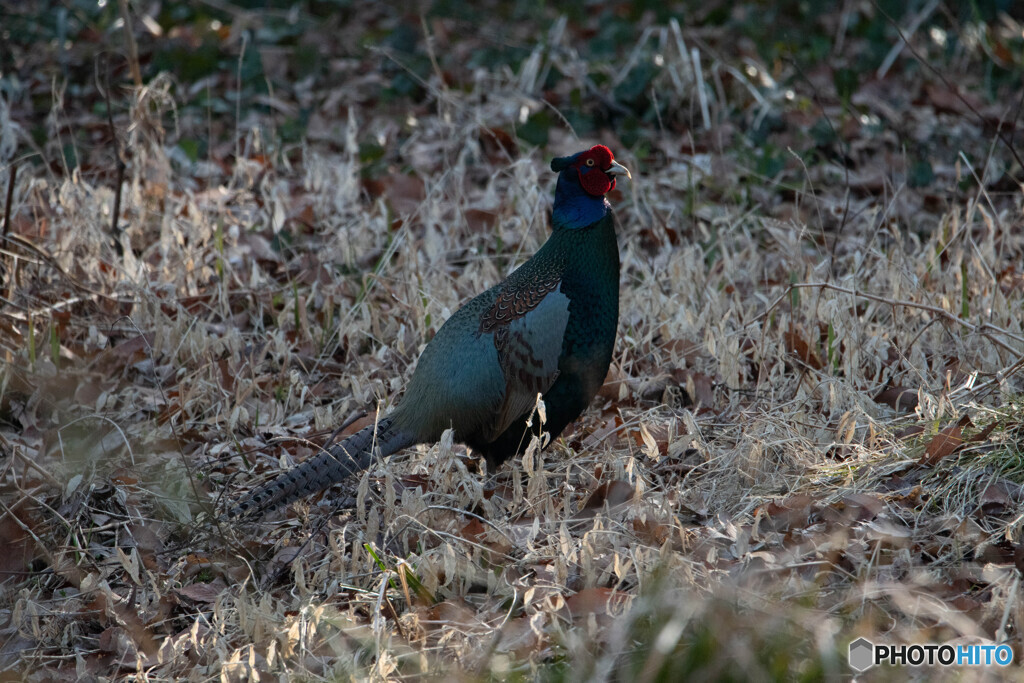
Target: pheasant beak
[618, 169]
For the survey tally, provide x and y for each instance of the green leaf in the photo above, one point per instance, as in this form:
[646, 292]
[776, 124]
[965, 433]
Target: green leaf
[190, 146]
[535, 130]
[54, 344]
[846, 82]
[920, 174]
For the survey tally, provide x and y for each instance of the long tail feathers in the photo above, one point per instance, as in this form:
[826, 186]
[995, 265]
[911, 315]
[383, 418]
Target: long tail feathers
[331, 466]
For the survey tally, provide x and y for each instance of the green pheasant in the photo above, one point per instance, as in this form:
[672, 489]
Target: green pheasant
[548, 329]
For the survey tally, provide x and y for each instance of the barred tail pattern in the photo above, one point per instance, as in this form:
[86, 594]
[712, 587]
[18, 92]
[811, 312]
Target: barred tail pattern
[330, 466]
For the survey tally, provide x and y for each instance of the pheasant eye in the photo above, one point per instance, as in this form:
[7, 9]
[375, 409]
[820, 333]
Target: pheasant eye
[590, 162]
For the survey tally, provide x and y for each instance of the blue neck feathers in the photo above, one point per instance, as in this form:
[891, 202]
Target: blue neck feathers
[573, 207]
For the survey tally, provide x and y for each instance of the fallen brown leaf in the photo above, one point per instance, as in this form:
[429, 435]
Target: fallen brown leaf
[898, 398]
[794, 512]
[798, 346]
[699, 386]
[984, 433]
[613, 492]
[595, 600]
[203, 592]
[945, 442]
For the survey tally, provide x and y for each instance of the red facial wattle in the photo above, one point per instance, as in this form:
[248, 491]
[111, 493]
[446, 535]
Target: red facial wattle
[592, 166]
[596, 182]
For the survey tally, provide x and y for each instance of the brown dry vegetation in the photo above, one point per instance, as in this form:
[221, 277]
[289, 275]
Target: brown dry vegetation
[811, 430]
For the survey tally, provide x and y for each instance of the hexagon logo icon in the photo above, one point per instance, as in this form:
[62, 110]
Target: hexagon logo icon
[862, 654]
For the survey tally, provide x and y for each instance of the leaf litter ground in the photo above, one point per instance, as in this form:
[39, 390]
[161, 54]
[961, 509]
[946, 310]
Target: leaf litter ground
[811, 430]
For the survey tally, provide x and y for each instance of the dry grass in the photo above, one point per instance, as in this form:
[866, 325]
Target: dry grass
[736, 502]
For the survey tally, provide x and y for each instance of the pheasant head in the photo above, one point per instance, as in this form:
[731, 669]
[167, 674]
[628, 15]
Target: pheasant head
[583, 180]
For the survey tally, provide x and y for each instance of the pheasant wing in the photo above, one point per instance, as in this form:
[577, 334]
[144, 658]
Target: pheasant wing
[528, 321]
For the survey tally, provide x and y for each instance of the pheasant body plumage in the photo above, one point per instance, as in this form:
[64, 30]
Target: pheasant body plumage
[548, 329]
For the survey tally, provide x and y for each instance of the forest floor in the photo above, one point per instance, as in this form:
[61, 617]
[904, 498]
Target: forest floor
[811, 431]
